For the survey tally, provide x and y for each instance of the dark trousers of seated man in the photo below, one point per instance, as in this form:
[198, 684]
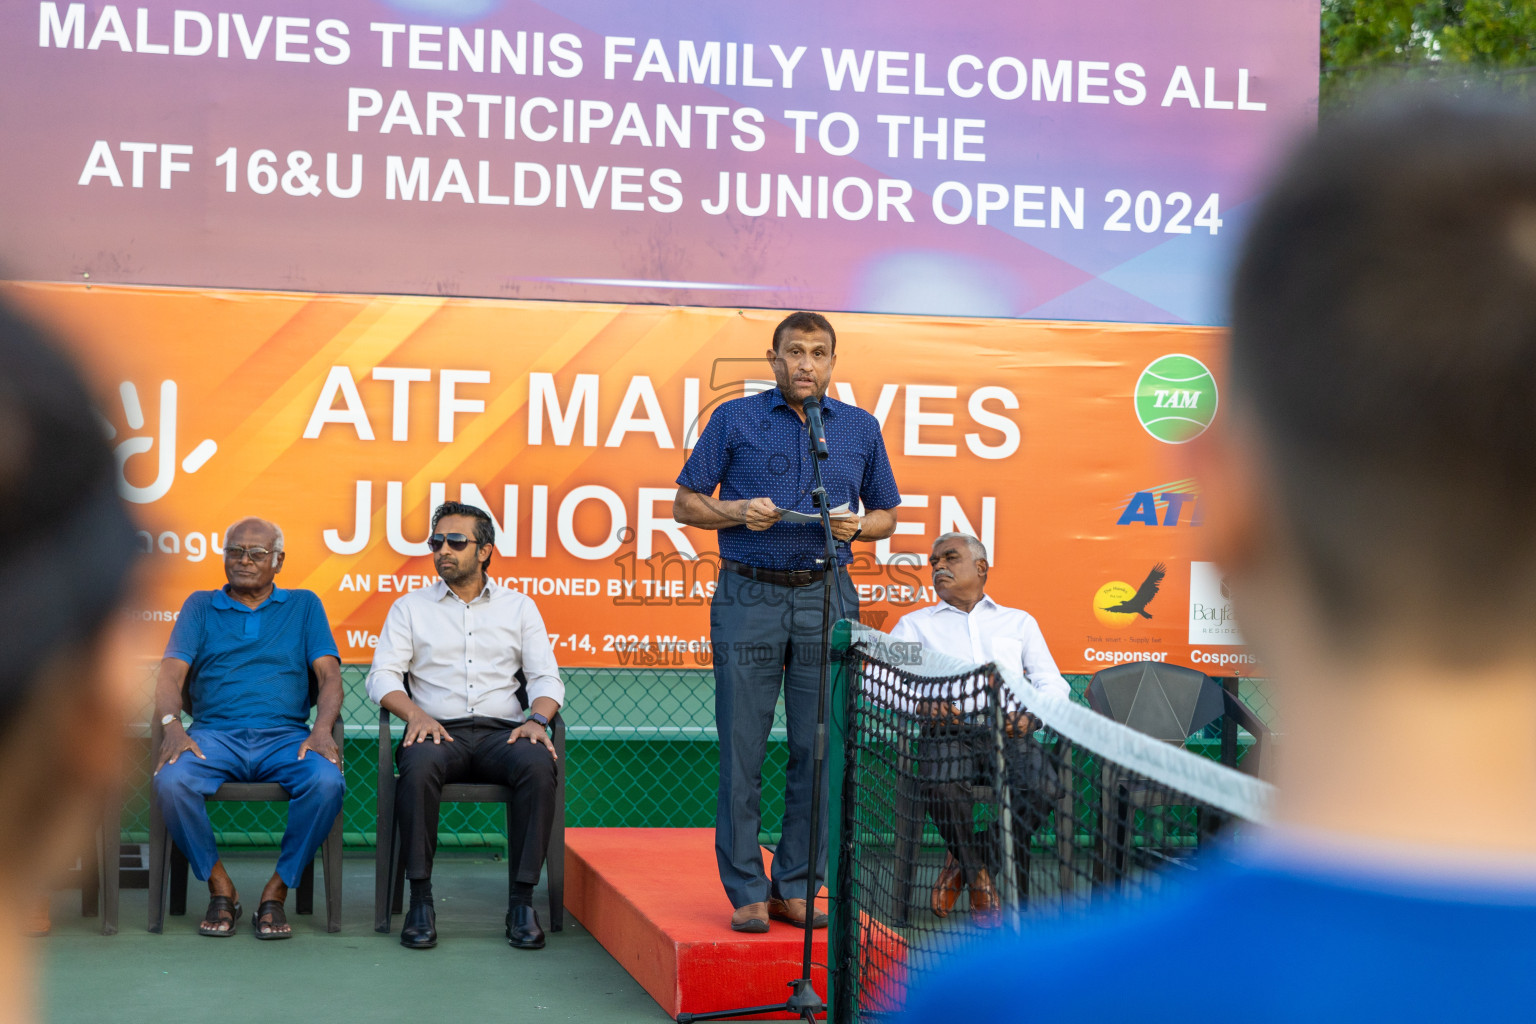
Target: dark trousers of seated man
[955, 758]
[479, 753]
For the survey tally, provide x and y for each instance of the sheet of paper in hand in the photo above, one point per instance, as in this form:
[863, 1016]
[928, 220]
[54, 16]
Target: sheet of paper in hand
[791, 516]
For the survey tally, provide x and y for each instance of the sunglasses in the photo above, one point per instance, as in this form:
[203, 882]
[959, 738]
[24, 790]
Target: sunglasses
[456, 541]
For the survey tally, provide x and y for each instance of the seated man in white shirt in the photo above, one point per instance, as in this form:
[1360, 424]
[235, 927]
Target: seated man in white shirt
[969, 625]
[463, 641]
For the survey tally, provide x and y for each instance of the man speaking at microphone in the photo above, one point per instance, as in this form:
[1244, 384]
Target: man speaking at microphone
[765, 617]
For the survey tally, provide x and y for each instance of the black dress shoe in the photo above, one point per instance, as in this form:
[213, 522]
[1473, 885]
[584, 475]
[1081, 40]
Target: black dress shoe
[523, 930]
[419, 931]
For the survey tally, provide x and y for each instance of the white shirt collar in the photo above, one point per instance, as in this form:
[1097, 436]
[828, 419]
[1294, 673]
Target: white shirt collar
[443, 591]
[985, 602]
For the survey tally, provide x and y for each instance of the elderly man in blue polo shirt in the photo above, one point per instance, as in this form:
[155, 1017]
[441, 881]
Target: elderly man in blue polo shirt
[250, 648]
[766, 613]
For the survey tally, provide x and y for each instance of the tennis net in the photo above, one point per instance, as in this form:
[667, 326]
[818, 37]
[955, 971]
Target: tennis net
[971, 801]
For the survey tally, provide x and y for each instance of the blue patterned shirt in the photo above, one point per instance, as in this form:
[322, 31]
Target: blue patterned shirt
[250, 666]
[757, 447]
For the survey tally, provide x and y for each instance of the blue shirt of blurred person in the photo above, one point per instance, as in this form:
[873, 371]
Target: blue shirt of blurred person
[1260, 940]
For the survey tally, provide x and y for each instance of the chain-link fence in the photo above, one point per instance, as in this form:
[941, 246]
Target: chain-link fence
[641, 751]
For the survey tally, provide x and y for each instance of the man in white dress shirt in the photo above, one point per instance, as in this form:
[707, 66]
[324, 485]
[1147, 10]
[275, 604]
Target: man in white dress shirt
[969, 625]
[464, 641]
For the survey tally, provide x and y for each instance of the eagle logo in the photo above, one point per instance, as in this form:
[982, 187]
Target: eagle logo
[1137, 604]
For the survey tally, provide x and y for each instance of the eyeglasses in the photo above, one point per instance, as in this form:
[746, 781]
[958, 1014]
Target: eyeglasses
[457, 541]
[257, 555]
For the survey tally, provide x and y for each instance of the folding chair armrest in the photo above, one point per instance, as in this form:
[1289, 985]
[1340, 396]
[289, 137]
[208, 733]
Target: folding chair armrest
[557, 735]
[1244, 716]
[386, 752]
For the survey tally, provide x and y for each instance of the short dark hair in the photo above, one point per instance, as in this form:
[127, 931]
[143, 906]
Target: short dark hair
[66, 540]
[485, 530]
[804, 321]
[1384, 343]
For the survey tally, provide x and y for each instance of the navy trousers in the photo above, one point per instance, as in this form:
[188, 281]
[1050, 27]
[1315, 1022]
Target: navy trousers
[250, 755]
[767, 638]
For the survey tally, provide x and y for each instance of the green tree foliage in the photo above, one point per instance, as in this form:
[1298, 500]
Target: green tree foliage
[1461, 43]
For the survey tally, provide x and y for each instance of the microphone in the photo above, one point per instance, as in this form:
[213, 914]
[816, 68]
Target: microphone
[813, 424]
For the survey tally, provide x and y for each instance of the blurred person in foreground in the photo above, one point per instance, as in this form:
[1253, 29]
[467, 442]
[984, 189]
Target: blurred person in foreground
[66, 550]
[968, 625]
[1378, 468]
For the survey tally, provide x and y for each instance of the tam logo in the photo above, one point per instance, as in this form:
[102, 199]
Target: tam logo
[1175, 399]
[1179, 508]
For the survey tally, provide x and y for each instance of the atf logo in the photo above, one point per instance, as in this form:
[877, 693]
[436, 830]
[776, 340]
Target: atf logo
[1172, 504]
[1176, 398]
[1117, 604]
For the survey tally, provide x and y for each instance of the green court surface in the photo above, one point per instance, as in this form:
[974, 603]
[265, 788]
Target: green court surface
[180, 977]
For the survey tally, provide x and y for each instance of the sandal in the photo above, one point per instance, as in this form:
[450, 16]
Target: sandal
[275, 917]
[221, 910]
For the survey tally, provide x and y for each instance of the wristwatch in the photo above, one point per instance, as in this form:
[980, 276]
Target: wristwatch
[536, 717]
[168, 719]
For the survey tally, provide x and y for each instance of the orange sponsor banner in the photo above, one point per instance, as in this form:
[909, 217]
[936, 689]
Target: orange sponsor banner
[346, 418]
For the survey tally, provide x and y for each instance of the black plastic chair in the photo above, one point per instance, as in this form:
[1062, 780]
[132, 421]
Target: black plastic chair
[1170, 703]
[102, 885]
[389, 866]
[98, 876]
[166, 859]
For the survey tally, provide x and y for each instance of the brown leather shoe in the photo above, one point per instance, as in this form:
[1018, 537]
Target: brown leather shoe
[38, 922]
[986, 908]
[947, 889]
[792, 911]
[751, 918]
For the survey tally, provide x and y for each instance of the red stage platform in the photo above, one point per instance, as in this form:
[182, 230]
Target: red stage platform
[652, 897]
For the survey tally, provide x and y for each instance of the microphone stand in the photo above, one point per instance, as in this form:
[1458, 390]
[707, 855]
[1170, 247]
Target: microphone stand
[803, 1001]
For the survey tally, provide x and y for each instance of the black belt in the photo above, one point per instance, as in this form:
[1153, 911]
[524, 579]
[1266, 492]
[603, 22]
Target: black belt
[778, 577]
